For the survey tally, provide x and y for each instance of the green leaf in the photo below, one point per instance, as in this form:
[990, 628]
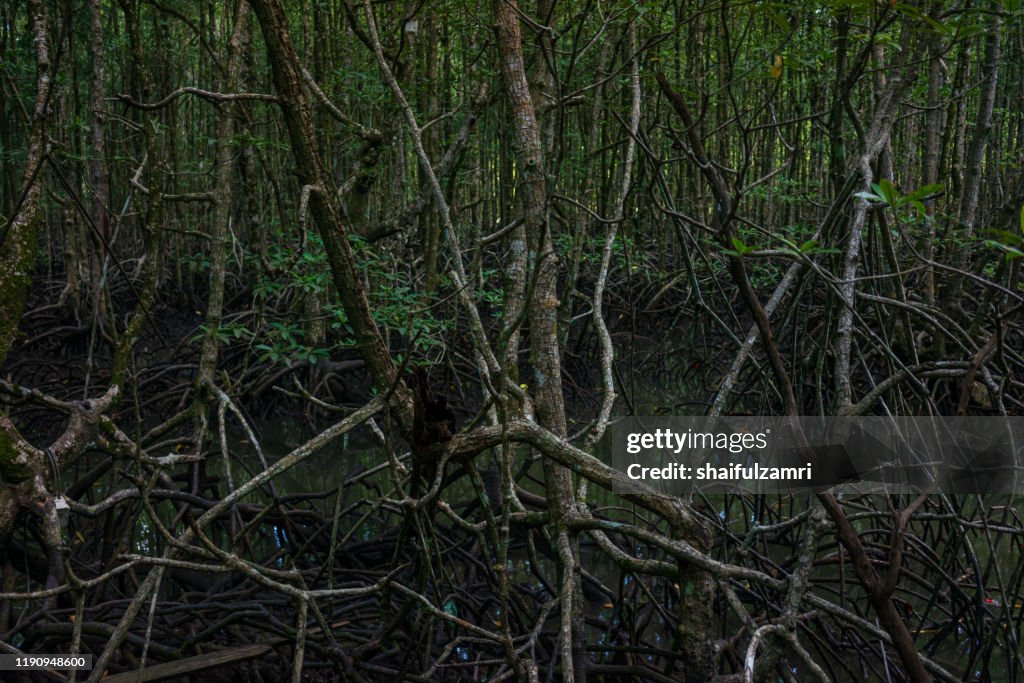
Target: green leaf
[915, 13]
[740, 247]
[969, 31]
[888, 191]
[1011, 252]
[924, 192]
[779, 20]
[1006, 237]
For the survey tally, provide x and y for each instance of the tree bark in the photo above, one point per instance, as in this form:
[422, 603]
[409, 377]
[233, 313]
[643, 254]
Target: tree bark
[309, 167]
[18, 237]
[222, 200]
[542, 310]
[98, 177]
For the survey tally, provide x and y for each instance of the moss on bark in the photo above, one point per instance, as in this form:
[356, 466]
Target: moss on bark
[16, 260]
[12, 471]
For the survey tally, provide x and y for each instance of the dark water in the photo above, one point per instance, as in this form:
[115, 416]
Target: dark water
[354, 454]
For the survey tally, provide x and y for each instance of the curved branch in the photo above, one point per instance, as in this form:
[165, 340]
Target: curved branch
[207, 95]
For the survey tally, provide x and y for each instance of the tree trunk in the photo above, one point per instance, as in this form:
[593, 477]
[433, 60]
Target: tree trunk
[18, 237]
[309, 167]
[542, 310]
